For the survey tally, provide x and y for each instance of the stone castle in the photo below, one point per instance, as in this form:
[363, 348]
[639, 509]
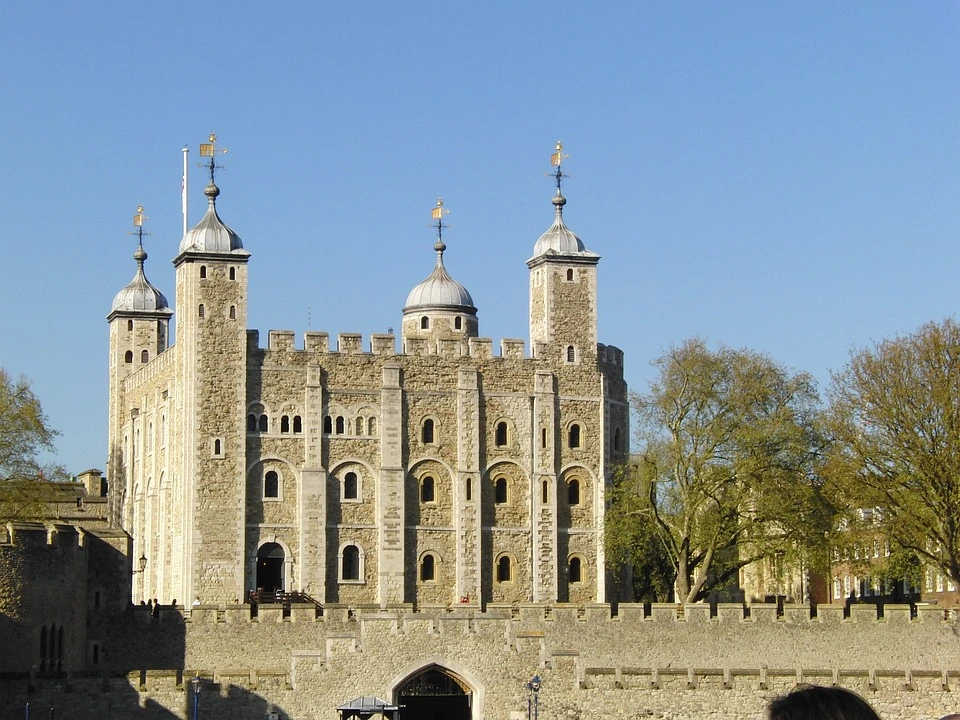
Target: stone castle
[419, 521]
[443, 473]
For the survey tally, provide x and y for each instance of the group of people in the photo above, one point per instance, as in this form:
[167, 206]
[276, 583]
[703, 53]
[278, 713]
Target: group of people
[154, 606]
[813, 702]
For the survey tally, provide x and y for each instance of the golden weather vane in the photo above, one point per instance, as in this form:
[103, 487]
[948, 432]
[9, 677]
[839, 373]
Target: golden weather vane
[556, 160]
[437, 214]
[138, 220]
[210, 150]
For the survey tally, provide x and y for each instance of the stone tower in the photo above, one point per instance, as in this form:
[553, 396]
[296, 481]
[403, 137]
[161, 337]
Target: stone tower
[563, 289]
[139, 331]
[211, 270]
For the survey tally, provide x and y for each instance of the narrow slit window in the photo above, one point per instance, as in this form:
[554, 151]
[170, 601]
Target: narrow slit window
[297, 424]
[469, 489]
[458, 323]
[501, 434]
[427, 490]
[203, 272]
[201, 312]
[573, 437]
[424, 323]
[427, 432]
[571, 354]
[328, 424]
[251, 423]
[233, 312]
[233, 273]
[427, 568]
[350, 563]
[285, 424]
[500, 491]
[339, 424]
[573, 492]
[350, 486]
[503, 569]
[264, 423]
[544, 493]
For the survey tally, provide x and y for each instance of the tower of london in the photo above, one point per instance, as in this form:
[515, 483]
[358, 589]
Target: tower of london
[434, 469]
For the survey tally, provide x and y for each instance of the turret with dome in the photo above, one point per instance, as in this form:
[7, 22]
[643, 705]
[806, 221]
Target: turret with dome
[439, 307]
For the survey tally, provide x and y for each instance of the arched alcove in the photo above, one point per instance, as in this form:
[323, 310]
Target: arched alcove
[435, 692]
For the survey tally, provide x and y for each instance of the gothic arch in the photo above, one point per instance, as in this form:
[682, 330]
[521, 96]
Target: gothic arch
[458, 673]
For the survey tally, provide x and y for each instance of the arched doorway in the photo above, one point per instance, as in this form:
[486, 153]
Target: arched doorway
[270, 559]
[434, 694]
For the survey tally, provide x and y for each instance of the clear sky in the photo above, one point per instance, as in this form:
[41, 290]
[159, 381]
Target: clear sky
[781, 176]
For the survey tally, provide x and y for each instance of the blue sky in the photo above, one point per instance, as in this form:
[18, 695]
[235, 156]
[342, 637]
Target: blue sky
[779, 176]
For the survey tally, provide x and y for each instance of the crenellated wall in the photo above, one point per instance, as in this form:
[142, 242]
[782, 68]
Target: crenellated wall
[652, 662]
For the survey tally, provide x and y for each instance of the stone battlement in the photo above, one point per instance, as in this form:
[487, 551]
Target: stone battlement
[385, 344]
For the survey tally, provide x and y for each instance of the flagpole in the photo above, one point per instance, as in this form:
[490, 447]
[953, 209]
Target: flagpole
[183, 198]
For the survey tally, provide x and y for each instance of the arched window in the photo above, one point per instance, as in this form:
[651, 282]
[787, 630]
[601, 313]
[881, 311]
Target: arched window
[570, 275]
[203, 272]
[350, 486]
[571, 354]
[233, 273]
[458, 323]
[297, 424]
[144, 356]
[544, 492]
[503, 569]
[271, 485]
[543, 438]
[217, 447]
[500, 491]
[428, 568]
[328, 424]
[233, 312]
[501, 434]
[573, 436]
[339, 424]
[264, 423]
[427, 490]
[573, 492]
[424, 323]
[129, 325]
[251, 423]
[574, 570]
[350, 563]
[285, 424]
[372, 426]
[201, 313]
[469, 489]
[426, 434]
[128, 356]
[358, 424]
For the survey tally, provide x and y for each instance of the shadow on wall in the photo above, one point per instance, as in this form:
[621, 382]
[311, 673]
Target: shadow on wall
[83, 697]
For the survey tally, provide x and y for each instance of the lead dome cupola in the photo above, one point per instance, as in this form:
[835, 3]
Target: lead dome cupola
[211, 234]
[140, 295]
[439, 290]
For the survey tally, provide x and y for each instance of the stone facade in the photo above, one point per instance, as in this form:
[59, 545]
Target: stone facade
[440, 474]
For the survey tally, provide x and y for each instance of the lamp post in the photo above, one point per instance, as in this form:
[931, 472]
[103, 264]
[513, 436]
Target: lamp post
[195, 684]
[533, 688]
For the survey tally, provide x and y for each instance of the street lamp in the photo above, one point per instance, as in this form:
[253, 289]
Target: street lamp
[195, 684]
[533, 688]
[143, 564]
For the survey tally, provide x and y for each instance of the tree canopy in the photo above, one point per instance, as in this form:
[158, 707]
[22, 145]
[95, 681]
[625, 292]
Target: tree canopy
[730, 445]
[895, 417]
[24, 435]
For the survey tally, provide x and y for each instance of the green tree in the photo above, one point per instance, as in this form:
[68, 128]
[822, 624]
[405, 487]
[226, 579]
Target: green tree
[24, 435]
[731, 442]
[633, 548]
[895, 417]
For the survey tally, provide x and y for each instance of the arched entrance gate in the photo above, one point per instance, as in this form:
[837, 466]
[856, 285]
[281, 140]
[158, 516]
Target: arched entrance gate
[270, 559]
[434, 694]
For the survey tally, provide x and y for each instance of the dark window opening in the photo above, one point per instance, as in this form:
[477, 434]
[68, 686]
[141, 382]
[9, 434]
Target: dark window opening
[144, 356]
[350, 567]
[574, 572]
[233, 312]
[285, 424]
[350, 486]
[264, 423]
[216, 447]
[501, 435]
[458, 323]
[571, 353]
[251, 423]
[573, 492]
[569, 274]
[201, 311]
[500, 491]
[427, 431]
[427, 490]
[233, 273]
[616, 439]
[424, 323]
[271, 485]
[339, 424]
[328, 424]
[544, 493]
[503, 569]
[469, 489]
[297, 424]
[128, 356]
[573, 437]
[203, 272]
[427, 568]
[129, 325]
